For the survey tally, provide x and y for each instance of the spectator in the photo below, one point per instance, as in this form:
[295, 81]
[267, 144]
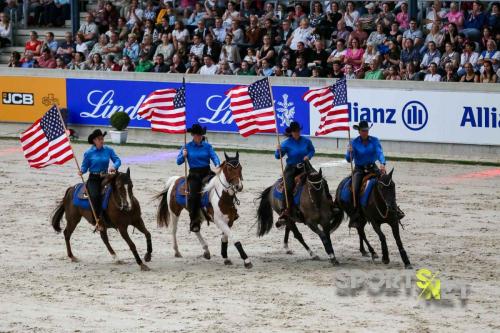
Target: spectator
[336, 70]
[134, 14]
[246, 10]
[284, 33]
[494, 17]
[409, 54]
[375, 73]
[230, 53]
[285, 68]
[80, 45]
[197, 16]
[449, 73]
[378, 36]
[212, 48]
[433, 75]
[160, 66]
[60, 64]
[414, 34]
[393, 73]
[402, 18]
[50, 42]
[351, 15]
[110, 65]
[5, 30]
[469, 74]
[269, 30]
[434, 16]
[450, 56]
[166, 49]
[33, 44]
[131, 49]
[316, 72]
[431, 56]
[237, 32]
[369, 55]
[110, 17]
[354, 55]
[67, 48]
[338, 54]
[180, 34]
[96, 63]
[230, 15]
[15, 59]
[340, 33]
[451, 34]
[317, 15]
[209, 68]
[297, 16]
[488, 75]
[359, 34]
[266, 52]
[144, 64]
[201, 30]
[474, 21]
[410, 73]
[319, 56]
[264, 68]
[177, 65]
[122, 29]
[251, 57]
[114, 47]
[368, 19]
[246, 69]
[385, 17]
[393, 56]
[219, 32]
[395, 34]
[78, 62]
[150, 31]
[253, 33]
[100, 46]
[455, 16]
[491, 53]
[333, 17]
[127, 64]
[89, 31]
[150, 11]
[301, 69]
[194, 66]
[349, 72]
[435, 36]
[301, 34]
[469, 56]
[46, 60]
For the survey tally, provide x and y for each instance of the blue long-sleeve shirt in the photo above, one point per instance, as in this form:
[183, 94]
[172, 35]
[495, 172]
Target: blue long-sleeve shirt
[365, 154]
[199, 155]
[97, 160]
[296, 150]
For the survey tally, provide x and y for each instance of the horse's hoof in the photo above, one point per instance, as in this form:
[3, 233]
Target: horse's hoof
[386, 261]
[289, 252]
[178, 255]
[315, 257]
[365, 254]
[74, 259]
[248, 265]
[206, 255]
[145, 268]
[228, 262]
[374, 255]
[334, 262]
[147, 257]
[409, 266]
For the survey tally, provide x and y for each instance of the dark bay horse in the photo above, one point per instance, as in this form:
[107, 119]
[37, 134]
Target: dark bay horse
[380, 208]
[221, 210]
[123, 210]
[315, 209]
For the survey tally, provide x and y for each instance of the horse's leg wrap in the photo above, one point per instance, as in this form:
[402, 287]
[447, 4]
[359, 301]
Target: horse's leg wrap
[242, 253]
[223, 249]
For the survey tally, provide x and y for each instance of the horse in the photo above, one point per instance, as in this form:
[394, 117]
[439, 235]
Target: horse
[380, 208]
[123, 210]
[315, 208]
[221, 192]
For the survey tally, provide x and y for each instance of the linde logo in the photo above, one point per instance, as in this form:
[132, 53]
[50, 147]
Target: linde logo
[219, 106]
[103, 105]
[480, 116]
[414, 115]
[14, 98]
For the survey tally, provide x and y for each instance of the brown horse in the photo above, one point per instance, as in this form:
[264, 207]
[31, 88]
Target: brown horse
[123, 210]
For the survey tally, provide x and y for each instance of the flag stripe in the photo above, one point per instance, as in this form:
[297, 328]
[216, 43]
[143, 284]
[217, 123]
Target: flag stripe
[166, 110]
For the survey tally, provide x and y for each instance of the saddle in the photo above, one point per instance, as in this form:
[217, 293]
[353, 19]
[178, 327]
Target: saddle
[299, 181]
[82, 194]
[181, 192]
[364, 192]
[81, 199]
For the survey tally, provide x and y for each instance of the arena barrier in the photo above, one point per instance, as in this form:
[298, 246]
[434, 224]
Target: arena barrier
[413, 112]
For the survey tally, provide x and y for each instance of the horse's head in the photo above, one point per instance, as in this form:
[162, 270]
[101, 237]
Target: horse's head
[122, 189]
[232, 170]
[315, 182]
[387, 189]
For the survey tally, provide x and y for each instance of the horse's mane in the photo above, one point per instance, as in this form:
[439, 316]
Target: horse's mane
[211, 184]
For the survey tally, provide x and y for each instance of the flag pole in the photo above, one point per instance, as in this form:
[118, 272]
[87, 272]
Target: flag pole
[279, 144]
[78, 167]
[185, 147]
[352, 168]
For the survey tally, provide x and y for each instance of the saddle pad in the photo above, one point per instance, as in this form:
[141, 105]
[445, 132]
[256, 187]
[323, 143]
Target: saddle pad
[84, 203]
[366, 193]
[180, 195]
[279, 195]
[346, 193]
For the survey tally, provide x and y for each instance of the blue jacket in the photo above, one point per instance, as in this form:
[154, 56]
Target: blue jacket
[296, 150]
[199, 155]
[97, 160]
[365, 154]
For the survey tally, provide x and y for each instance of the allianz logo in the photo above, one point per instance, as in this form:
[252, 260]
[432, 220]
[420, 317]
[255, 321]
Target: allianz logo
[480, 116]
[414, 115]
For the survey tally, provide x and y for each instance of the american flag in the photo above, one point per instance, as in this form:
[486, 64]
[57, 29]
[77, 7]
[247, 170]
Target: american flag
[46, 142]
[166, 110]
[332, 105]
[252, 108]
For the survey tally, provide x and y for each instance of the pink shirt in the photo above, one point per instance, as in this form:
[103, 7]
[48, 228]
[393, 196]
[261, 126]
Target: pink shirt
[403, 20]
[455, 18]
[354, 55]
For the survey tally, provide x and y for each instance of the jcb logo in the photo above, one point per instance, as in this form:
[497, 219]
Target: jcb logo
[17, 98]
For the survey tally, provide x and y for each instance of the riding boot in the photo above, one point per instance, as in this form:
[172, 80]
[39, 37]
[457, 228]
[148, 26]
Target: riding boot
[284, 218]
[194, 225]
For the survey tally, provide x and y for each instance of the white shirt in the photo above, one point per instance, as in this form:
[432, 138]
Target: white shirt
[432, 78]
[472, 58]
[197, 50]
[350, 22]
[131, 19]
[431, 17]
[301, 35]
[212, 70]
[181, 35]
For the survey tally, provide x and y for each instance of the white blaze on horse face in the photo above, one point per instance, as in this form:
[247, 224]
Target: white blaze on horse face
[128, 196]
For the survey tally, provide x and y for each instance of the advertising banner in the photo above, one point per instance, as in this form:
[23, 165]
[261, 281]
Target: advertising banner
[92, 102]
[25, 99]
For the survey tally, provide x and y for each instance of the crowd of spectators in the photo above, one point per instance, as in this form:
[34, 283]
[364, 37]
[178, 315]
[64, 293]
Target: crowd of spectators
[356, 40]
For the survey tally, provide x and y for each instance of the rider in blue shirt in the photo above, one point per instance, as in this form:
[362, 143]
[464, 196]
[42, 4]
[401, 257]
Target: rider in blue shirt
[198, 153]
[298, 150]
[96, 162]
[365, 150]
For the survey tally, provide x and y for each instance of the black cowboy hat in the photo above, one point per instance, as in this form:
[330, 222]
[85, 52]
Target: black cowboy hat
[294, 127]
[96, 133]
[197, 129]
[362, 126]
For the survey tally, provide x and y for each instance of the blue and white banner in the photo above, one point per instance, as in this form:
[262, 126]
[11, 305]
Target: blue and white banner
[92, 102]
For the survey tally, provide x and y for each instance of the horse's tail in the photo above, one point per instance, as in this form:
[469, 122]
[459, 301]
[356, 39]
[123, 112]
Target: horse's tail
[163, 213]
[58, 213]
[264, 213]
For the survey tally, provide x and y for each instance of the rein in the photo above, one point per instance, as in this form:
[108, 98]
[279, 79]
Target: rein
[383, 216]
[317, 185]
[228, 187]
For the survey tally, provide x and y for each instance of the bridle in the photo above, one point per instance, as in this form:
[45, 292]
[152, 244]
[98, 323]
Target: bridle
[230, 188]
[316, 185]
[121, 206]
[387, 207]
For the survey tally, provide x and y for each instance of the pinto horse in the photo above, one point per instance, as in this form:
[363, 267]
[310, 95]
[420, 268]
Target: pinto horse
[380, 208]
[221, 209]
[314, 209]
[123, 210]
